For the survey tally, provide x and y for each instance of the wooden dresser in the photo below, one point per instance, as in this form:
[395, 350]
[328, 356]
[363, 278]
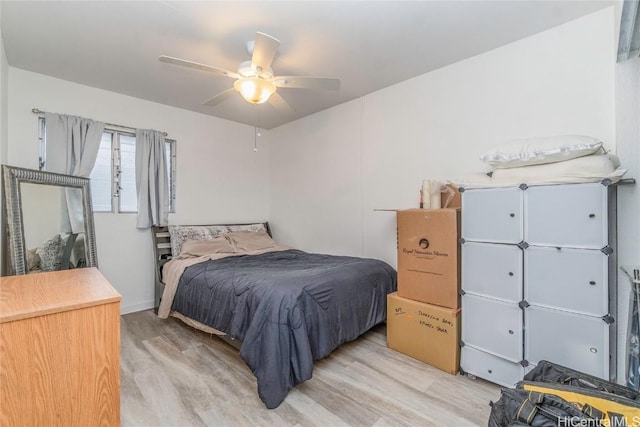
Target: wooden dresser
[59, 350]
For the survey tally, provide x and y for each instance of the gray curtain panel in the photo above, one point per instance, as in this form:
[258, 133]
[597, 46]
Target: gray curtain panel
[72, 148]
[152, 181]
[629, 40]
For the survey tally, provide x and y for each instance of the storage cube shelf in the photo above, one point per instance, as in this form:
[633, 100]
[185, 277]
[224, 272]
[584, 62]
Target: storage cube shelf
[493, 270]
[493, 215]
[567, 279]
[538, 279]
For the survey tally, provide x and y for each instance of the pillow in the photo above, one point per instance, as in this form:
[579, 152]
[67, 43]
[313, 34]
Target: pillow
[584, 169]
[246, 227]
[33, 260]
[537, 151]
[246, 241]
[194, 248]
[78, 255]
[51, 253]
[181, 233]
[473, 180]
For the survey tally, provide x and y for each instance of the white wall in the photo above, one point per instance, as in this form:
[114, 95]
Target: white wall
[374, 152]
[316, 182]
[4, 80]
[219, 176]
[628, 148]
[557, 82]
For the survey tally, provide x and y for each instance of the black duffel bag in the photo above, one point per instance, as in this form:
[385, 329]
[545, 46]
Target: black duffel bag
[548, 372]
[528, 408]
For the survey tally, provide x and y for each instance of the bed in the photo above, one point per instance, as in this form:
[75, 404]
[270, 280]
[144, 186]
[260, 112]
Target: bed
[284, 307]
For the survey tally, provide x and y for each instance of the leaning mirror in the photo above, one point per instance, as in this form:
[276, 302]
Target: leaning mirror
[49, 221]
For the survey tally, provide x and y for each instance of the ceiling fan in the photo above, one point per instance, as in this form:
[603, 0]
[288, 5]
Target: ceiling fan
[255, 79]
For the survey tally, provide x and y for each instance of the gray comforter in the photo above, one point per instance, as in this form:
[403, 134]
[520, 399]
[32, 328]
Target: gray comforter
[289, 308]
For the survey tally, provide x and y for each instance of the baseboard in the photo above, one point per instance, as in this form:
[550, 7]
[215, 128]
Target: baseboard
[136, 307]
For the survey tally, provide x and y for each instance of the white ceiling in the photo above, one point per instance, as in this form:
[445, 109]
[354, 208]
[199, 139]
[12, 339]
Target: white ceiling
[368, 45]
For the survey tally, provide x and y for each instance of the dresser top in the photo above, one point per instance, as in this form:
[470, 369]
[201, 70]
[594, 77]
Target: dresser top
[40, 294]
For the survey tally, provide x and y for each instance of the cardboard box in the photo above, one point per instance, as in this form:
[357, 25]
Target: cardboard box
[425, 332]
[429, 256]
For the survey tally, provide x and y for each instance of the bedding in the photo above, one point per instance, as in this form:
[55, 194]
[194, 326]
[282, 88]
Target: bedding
[181, 233]
[245, 241]
[593, 168]
[288, 307]
[54, 254]
[538, 151]
[218, 244]
[33, 260]
[50, 253]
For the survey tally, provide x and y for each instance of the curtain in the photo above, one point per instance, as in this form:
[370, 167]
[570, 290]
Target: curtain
[629, 40]
[72, 148]
[152, 182]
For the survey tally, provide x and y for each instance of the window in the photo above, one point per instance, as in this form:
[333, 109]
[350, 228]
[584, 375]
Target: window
[113, 178]
[101, 183]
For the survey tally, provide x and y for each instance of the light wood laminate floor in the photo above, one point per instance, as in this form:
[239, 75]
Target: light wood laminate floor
[174, 375]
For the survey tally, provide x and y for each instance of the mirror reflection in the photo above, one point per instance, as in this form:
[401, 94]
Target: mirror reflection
[50, 244]
[49, 222]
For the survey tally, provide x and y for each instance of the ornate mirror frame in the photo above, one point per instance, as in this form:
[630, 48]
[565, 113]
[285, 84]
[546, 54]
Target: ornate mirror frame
[13, 177]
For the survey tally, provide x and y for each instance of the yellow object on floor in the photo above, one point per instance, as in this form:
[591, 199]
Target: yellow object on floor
[617, 410]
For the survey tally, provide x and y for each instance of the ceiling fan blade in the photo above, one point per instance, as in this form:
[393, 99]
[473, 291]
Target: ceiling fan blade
[281, 105]
[307, 82]
[264, 50]
[219, 97]
[198, 66]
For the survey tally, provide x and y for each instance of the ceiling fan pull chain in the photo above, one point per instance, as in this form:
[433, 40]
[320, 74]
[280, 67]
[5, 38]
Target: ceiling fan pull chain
[256, 133]
[255, 139]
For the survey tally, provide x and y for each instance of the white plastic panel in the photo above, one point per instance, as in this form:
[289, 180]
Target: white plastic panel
[490, 367]
[573, 215]
[493, 270]
[493, 326]
[573, 340]
[567, 279]
[492, 215]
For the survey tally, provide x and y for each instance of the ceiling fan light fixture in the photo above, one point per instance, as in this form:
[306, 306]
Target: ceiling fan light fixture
[254, 89]
[255, 80]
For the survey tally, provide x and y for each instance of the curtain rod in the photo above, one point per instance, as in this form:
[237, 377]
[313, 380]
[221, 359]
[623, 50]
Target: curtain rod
[37, 111]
